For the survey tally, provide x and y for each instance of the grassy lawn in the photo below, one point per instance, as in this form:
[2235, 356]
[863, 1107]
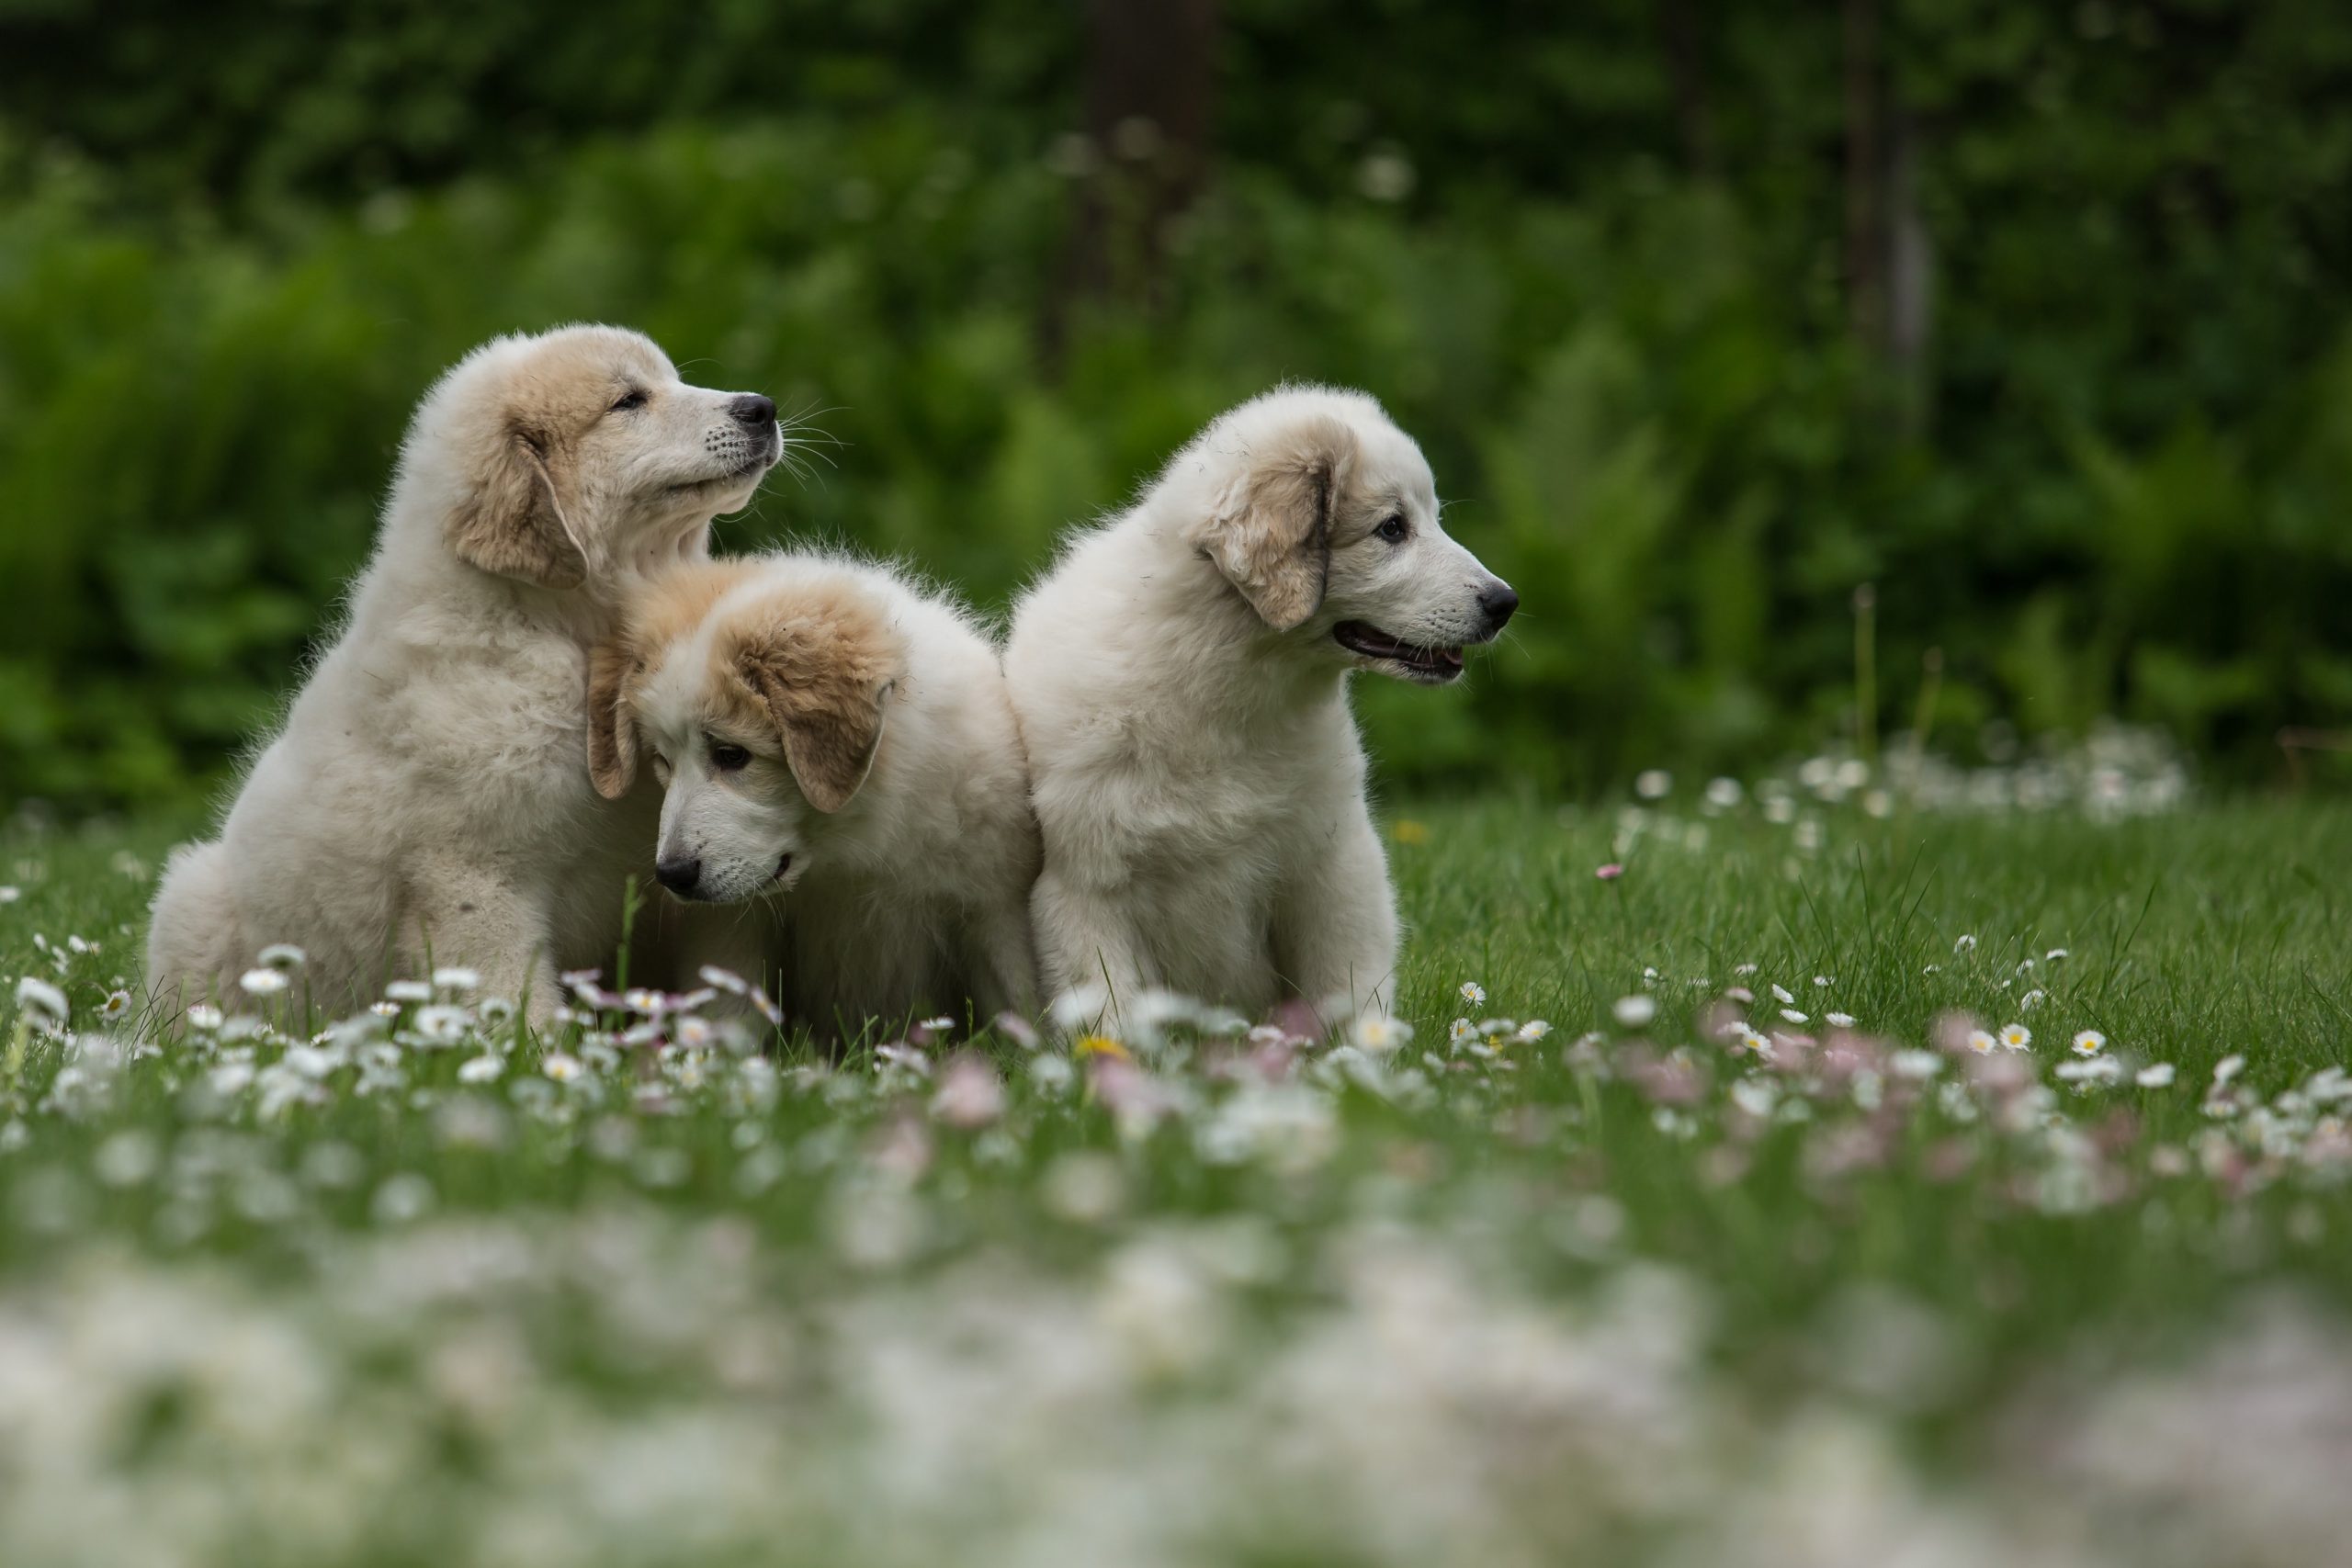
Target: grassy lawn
[1614, 1286]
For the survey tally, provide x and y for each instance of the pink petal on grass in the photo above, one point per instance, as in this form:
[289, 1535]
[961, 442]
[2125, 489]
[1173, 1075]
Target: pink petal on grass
[1608, 873]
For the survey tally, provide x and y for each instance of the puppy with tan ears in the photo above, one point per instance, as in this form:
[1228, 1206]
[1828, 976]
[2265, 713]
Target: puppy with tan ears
[424, 796]
[1180, 678]
[836, 744]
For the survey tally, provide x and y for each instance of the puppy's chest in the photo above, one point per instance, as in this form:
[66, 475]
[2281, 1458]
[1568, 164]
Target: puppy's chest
[514, 722]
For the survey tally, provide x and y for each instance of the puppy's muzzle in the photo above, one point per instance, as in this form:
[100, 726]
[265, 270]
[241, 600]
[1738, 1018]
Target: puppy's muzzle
[680, 876]
[1497, 601]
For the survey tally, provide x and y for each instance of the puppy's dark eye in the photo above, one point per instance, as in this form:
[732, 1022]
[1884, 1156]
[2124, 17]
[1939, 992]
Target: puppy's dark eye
[726, 757]
[632, 398]
[1395, 529]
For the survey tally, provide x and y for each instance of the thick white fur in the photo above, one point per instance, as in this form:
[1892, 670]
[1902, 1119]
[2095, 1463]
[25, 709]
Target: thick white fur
[1196, 770]
[911, 895]
[425, 791]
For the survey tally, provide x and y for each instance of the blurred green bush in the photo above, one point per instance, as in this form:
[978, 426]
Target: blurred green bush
[2130, 496]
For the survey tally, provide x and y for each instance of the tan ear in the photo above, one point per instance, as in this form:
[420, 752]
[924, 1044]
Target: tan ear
[1271, 536]
[612, 738]
[828, 718]
[513, 523]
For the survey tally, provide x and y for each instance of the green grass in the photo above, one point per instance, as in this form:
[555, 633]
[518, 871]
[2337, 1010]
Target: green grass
[1923, 1260]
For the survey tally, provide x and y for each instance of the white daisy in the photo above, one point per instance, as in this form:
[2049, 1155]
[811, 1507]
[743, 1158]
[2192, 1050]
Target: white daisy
[1377, 1034]
[1635, 1010]
[2089, 1042]
[1793, 1016]
[283, 956]
[2156, 1075]
[1981, 1042]
[41, 1002]
[2017, 1036]
[263, 982]
[1838, 1019]
[1474, 993]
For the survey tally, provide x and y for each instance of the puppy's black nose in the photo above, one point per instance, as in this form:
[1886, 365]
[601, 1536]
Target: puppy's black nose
[678, 876]
[753, 410]
[1500, 602]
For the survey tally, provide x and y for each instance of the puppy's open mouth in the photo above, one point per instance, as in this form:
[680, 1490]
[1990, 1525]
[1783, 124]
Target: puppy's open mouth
[782, 867]
[1434, 665]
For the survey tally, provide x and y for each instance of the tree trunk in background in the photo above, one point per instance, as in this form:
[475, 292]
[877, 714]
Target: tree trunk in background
[1150, 92]
[1889, 260]
[1679, 36]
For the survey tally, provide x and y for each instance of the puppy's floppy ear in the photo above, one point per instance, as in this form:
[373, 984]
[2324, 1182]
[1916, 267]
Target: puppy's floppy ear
[513, 523]
[1271, 537]
[826, 687]
[612, 738]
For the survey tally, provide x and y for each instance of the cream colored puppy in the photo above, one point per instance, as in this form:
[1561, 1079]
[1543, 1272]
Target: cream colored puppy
[1180, 678]
[424, 794]
[837, 743]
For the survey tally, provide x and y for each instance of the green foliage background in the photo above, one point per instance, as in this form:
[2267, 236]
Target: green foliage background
[237, 241]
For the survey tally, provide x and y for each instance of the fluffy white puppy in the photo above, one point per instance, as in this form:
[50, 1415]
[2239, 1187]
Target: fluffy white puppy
[1181, 679]
[425, 797]
[836, 742]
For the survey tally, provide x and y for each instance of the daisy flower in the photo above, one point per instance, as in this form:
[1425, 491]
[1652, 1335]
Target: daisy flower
[2089, 1042]
[1608, 873]
[1838, 1019]
[1967, 943]
[263, 982]
[117, 1004]
[40, 1001]
[2017, 1036]
[480, 1069]
[1377, 1034]
[1793, 1016]
[202, 1018]
[562, 1067]
[408, 991]
[1981, 1042]
[283, 956]
[1782, 994]
[456, 979]
[1474, 993]
[2156, 1075]
[1634, 1012]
